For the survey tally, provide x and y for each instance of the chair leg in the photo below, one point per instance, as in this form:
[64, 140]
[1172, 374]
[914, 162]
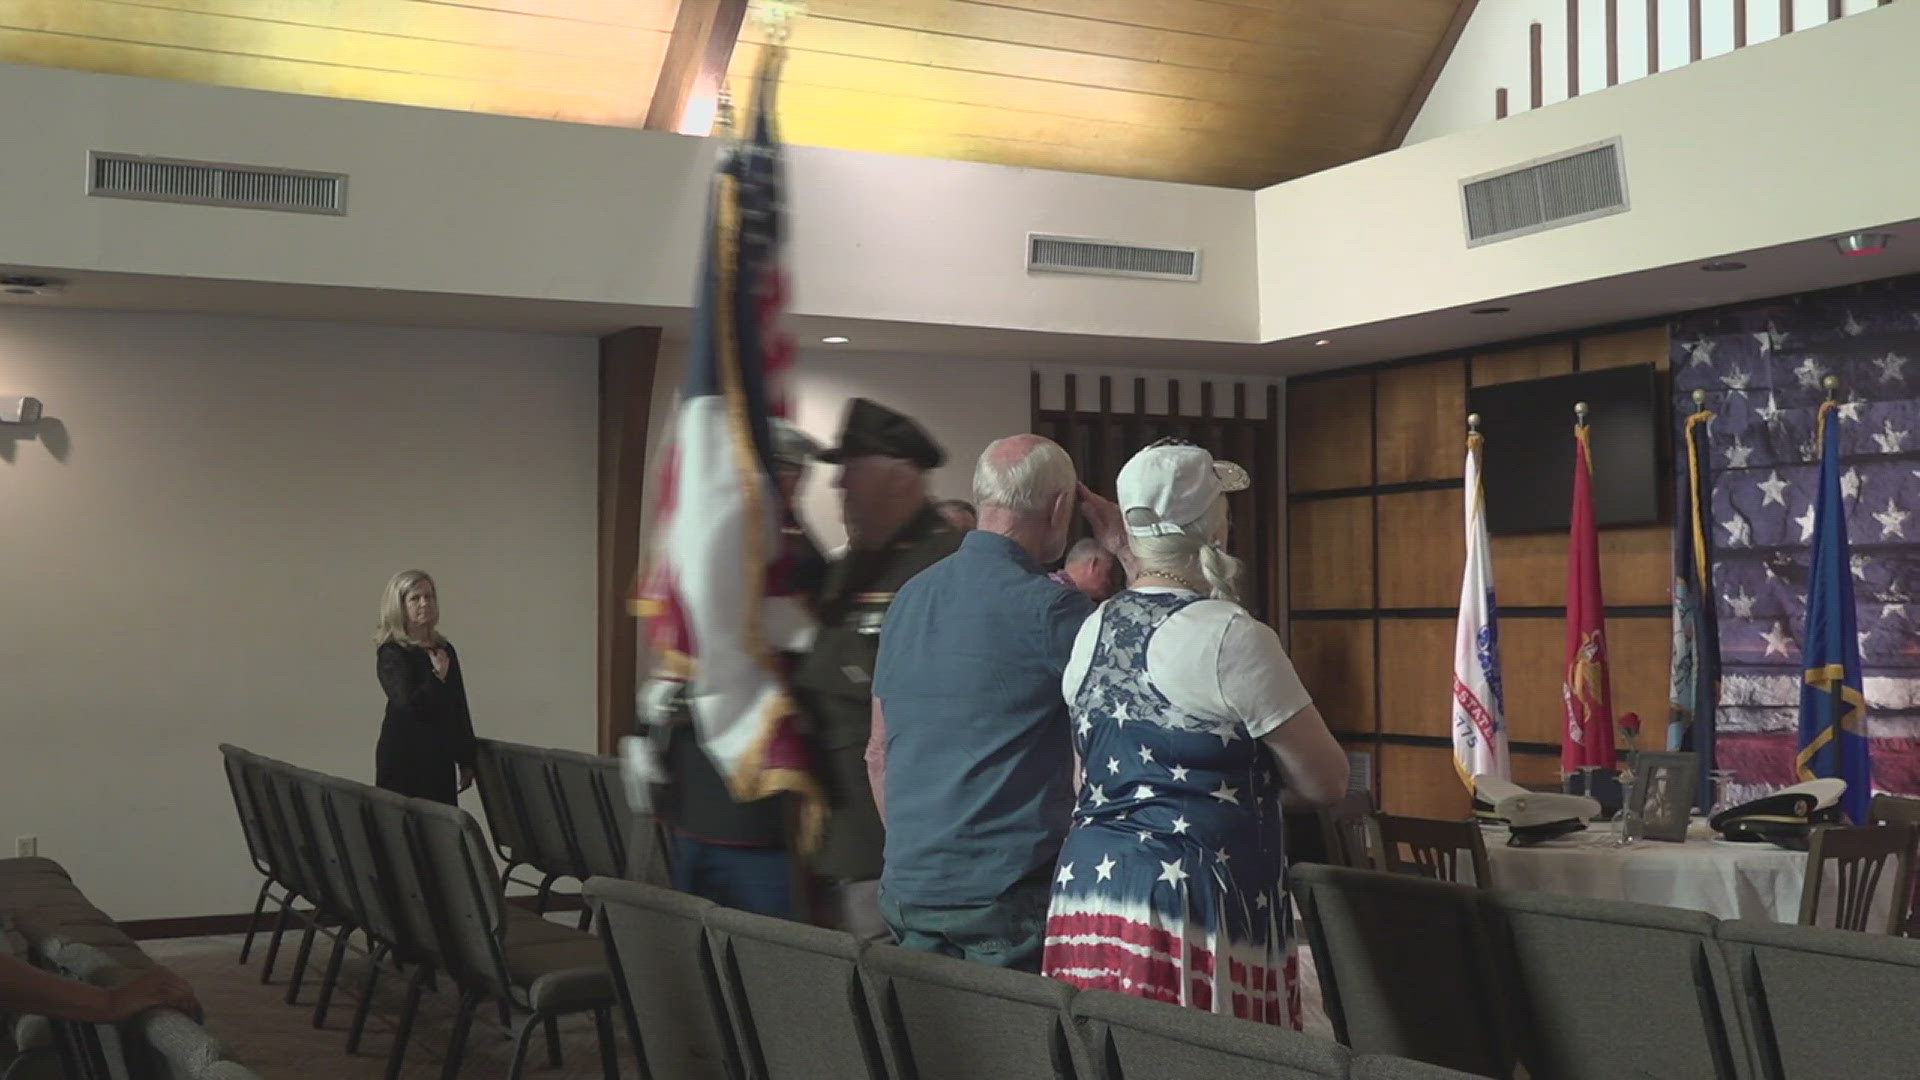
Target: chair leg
[457, 1043]
[522, 1040]
[609, 1060]
[273, 946]
[553, 1042]
[331, 977]
[366, 1000]
[506, 1017]
[300, 958]
[253, 922]
[545, 892]
[586, 914]
[397, 1055]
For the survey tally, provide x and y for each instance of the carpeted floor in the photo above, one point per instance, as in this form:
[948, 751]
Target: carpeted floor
[279, 1042]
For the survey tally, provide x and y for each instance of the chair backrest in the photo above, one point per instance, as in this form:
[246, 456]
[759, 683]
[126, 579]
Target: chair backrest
[233, 762]
[1820, 1002]
[350, 818]
[596, 840]
[1382, 1067]
[395, 851]
[256, 776]
[529, 774]
[1429, 848]
[1347, 827]
[505, 822]
[663, 968]
[272, 780]
[1900, 810]
[341, 892]
[457, 873]
[1583, 972]
[1405, 967]
[610, 791]
[949, 1019]
[1132, 1038]
[1861, 862]
[796, 997]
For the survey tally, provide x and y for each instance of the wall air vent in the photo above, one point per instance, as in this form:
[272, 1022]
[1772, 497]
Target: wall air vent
[1546, 193]
[207, 183]
[1107, 258]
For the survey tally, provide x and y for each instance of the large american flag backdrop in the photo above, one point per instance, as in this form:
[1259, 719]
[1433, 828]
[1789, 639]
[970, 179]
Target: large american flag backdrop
[1762, 367]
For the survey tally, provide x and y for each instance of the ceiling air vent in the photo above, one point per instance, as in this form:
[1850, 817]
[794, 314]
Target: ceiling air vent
[207, 183]
[1073, 255]
[1579, 185]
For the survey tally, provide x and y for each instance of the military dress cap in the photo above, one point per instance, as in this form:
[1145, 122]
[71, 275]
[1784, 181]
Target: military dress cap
[1534, 816]
[1786, 817]
[872, 428]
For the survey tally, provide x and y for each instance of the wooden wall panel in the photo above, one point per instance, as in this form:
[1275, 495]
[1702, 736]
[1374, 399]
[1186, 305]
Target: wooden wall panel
[1419, 781]
[1644, 346]
[1536, 770]
[1422, 411]
[1416, 670]
[1640, 652]
[1636, 565]
[1533, 650]
[1330, 553]
[1531, 570]
[1527, 362]
[1329, 432]
[1335, 660]
[1421, 548]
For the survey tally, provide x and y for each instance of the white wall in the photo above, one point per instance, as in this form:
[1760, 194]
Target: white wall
[1493, 51]
[451, 202]
[1744, 152]
[193, 549]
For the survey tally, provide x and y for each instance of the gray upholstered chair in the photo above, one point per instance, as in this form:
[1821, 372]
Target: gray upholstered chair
[596, 839]
[663, 968]
[796, 998]
[948, 1019]
[1405, 967]
[233, 761]
[256, 774]
[494, 950]
[1131, 1038]
[1818, 1002]
[1586, 972]
[340, 889]
[419, 938]
[529, 775]
[506, 819]
[1381, 1067]
[1435, 849]
[159, 1044]
[1859, 860]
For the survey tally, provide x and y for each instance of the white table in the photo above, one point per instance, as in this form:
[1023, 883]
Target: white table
[1719, 877]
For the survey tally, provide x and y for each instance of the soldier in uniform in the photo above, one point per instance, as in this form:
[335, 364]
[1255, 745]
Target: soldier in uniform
[893, 533]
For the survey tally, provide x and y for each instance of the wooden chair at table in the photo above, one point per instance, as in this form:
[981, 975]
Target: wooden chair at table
[1347, 827]
[1432, 849]
[1857, 857]
[1900, 810]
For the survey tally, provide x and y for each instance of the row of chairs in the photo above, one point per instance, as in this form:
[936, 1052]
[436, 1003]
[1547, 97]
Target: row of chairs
[715, 994]
[1858, 859]
[1572, 989]
[563, 814]
[417, 879]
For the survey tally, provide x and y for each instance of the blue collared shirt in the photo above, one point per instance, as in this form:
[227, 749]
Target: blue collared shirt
[978, 751]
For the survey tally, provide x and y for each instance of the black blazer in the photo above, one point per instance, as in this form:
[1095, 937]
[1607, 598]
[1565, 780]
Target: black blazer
[427, 729]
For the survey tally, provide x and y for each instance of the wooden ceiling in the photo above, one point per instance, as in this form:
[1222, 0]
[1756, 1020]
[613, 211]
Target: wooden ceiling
[1235, 93]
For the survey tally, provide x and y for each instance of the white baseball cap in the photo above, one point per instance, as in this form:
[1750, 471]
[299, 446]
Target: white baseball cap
[1170, 485]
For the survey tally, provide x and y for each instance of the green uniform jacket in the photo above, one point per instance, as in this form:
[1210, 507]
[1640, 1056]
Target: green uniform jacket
[835, 685]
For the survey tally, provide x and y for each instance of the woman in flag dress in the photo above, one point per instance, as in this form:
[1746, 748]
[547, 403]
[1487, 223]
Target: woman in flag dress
[1189, 723]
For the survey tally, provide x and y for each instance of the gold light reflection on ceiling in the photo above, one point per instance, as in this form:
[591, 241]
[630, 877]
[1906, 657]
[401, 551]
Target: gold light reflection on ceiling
[1236, 93]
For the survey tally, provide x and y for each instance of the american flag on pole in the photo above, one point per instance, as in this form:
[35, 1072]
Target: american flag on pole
[715, 601]
[1479, 711]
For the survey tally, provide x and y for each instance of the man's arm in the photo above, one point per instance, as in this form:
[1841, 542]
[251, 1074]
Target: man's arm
[877, 760]
[27, 989]
[1109, 529]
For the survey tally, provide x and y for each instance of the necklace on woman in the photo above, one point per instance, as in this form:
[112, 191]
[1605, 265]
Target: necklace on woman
[1182, 581]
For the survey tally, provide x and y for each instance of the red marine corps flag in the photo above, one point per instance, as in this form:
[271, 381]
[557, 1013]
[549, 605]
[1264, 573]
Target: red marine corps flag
[1587, 691]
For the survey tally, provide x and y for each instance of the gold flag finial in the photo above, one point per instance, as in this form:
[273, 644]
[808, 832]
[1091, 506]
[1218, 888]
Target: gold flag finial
[776, 17]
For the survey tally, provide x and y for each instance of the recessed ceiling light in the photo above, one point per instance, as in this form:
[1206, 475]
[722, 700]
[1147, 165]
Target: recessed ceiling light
[1323, 341]
[1863, 243]
[1491, 309]
[1722, 266]
[836, 340]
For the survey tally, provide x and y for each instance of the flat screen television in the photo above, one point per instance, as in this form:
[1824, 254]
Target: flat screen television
[1528, 456]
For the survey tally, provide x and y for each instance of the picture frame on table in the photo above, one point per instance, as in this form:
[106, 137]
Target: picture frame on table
[1663, 790]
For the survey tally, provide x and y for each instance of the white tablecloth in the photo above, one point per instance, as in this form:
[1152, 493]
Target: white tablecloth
[1719, 877]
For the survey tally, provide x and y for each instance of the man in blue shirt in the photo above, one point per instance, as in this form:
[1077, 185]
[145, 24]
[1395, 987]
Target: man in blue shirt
[970, 756]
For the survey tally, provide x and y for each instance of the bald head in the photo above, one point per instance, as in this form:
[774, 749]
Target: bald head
[1026, 489]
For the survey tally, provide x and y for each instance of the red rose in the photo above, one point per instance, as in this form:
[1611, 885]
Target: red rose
[1630, 723]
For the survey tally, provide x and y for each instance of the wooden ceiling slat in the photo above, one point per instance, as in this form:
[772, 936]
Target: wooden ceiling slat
[1267, 24]
[652, 14]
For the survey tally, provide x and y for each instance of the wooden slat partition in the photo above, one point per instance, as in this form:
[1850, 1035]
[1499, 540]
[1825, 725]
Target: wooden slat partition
[627, 362]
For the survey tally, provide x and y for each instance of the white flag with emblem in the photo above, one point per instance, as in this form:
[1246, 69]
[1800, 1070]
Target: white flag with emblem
[1479, 715]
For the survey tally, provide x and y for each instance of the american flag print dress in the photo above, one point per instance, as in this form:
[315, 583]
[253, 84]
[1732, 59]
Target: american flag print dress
[1171, 883]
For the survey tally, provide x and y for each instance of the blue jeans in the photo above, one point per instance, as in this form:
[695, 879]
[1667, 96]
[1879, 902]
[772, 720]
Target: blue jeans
[1009, 931]
[753, 879]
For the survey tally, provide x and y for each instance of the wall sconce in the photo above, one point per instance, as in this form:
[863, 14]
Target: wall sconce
[19, 410]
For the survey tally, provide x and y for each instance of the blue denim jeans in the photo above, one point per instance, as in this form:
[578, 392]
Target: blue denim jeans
[753, 879]
[1008, 932]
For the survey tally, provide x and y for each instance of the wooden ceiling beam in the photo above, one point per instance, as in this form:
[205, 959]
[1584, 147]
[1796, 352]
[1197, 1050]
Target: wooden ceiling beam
[1436, 64]
[704, 34]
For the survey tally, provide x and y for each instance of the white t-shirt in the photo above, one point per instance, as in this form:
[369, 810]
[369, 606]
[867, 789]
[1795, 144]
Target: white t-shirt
[1211, 659]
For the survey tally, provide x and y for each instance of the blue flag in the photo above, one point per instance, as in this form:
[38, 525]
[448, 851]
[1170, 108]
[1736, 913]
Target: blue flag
[1833, 710]
[1695, 695]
